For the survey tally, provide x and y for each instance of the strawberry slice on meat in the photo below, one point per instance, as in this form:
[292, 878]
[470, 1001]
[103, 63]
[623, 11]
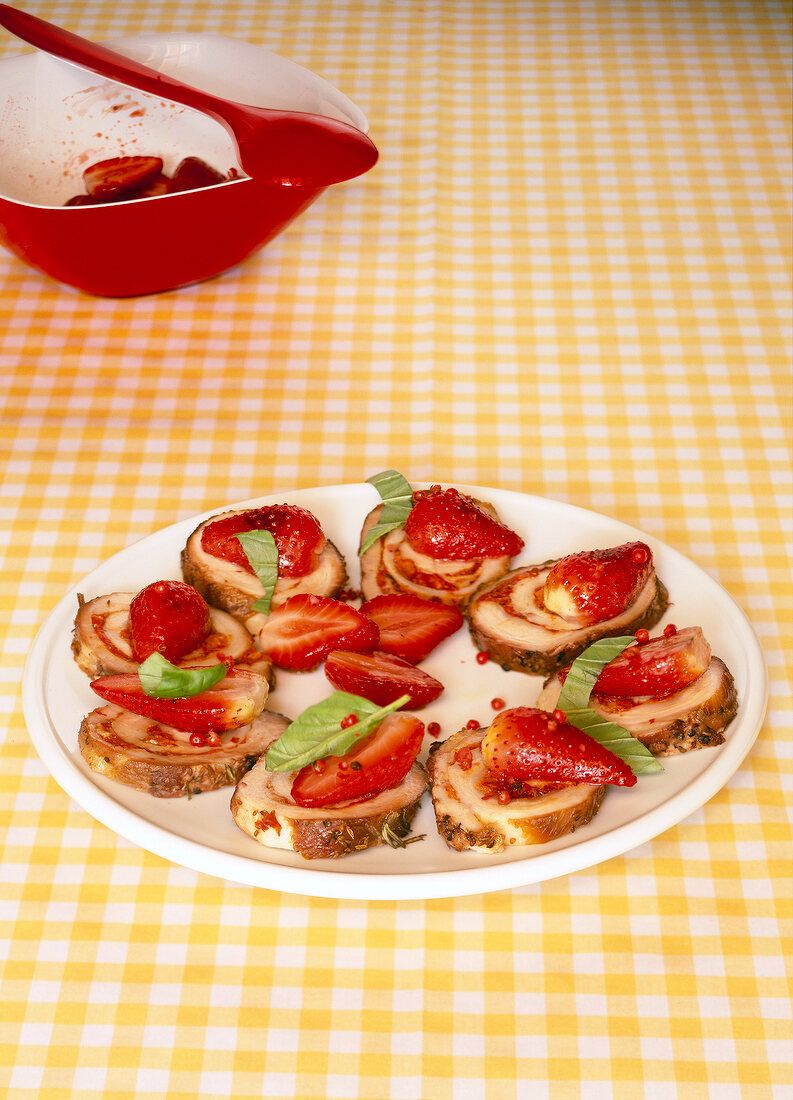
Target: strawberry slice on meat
[657, 668]
[235, 701]
[529, 744]
[305, 628]
[377, 763]
[297, 533]
[447, 525]
[411, 627]
[594, 585]
[381, 678]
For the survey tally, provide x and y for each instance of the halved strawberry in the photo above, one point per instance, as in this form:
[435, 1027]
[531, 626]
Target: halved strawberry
[410, 627]
[235, 701]
[525, 743]
[657, 668]
[377, 763]
[296, 531]
[192, 173]
[381, 678]
[167, 617]
[593, 585]
[121, 177]
[448, 526]
[302, 631]
[158, 186]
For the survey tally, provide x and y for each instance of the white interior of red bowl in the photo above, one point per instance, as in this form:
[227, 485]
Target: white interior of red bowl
[56, 119]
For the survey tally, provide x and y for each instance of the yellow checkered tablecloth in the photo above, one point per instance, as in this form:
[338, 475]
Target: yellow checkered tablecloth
[569, 275]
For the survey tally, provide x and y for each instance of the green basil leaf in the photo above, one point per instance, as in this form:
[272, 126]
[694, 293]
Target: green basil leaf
[162, 680]
[262, 552]
[616, 739]
[585, 670]
[574, 701]
[397, 498]
[317, 732]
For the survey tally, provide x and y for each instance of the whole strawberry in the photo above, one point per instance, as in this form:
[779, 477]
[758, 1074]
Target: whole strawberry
[594, 585]
[525, 743]
[448, 526]
[167, 617]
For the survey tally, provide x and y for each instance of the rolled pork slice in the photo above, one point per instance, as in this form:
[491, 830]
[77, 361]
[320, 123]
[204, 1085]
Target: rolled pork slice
[159, 759]
[101, 645]
[693, 718]
[226, 584]
[469, 822]
[509, 621]
[263, 808]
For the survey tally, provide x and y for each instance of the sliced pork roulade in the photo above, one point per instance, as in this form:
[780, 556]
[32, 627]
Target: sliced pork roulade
[160, 759]
[449, 546]
[541, 617]
[669, 692]
[102, 640]
[215, 563]
[340, 804]
[527, 779]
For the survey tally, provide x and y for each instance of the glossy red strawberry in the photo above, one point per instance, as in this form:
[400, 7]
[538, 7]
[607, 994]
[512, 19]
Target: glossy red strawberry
[192, 173]
[236, 700]
[594, 585]
[167, 617]
[448, 526]
[410, 627]
[381, 678]
[121, 177]
[657, 668]
[302, 631]
[377, 763]
[296, 531]
[525, 743]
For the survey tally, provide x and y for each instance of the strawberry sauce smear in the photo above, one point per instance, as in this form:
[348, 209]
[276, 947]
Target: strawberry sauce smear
[297, 533]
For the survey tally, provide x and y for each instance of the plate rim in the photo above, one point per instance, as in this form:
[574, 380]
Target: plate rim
[378, 886]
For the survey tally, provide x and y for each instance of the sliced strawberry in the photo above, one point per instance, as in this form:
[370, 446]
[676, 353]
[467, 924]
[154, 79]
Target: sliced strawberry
[377, 763]
[121, 177]
[594, 585]
[167, 617]
[192, 173]
[232, 703]
[410, 627]
[381, 678]
[296, 531]
[302, 631]
[158, 186]
[657, 668]
[448, 526]
[524, 743]
[83, 200]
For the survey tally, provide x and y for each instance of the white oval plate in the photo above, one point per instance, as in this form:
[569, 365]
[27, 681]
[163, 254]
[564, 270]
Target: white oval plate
[201, 834]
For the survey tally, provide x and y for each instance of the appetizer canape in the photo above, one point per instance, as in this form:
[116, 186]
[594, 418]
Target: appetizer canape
[540, 617]
[528, 778]
[334, 804]
[446, 545]
[179, 744]
[116, 632]
[215, 562]
[670, 693]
